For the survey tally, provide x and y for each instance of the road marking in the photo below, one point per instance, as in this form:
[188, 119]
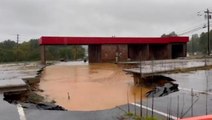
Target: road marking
[156, 111]
[198, 91]
[21, 112]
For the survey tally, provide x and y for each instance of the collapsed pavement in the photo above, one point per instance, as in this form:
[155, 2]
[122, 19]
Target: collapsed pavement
[23, 91]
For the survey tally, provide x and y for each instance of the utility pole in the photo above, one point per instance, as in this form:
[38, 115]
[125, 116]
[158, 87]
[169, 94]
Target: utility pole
[208, 16]
[17, 42]
[192, 46]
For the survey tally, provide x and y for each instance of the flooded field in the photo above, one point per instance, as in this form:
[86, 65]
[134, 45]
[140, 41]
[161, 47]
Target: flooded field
[84, 87]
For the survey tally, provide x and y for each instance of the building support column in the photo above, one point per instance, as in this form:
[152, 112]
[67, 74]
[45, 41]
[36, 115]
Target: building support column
[147, 52]
[43, 54]
[94, 53]
[184, 50]
[169, 51]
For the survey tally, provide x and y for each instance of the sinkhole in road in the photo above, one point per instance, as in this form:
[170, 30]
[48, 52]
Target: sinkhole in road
[93, 86]
[89, 88]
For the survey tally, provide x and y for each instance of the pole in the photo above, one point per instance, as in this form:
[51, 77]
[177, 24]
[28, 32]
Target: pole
[206, 95]
[141, 102]
[208, 32]
[128, 104]
[192, 46]
[17, 47]
[178, 105]
[192, 101]
[152, 106]
[17, 39]
[208, 18]
[135, 102]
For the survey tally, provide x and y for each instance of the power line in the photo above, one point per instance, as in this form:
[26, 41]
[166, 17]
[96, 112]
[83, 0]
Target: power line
[188, 31]
[193, 30]
[192, 27]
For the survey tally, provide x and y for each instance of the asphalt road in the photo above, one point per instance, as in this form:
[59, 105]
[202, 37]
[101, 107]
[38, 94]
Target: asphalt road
[183, 103]
[8, 111]
[177, 104]
[13, 112]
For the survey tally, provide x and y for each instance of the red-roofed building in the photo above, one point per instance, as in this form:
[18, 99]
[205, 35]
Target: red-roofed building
[111, 49]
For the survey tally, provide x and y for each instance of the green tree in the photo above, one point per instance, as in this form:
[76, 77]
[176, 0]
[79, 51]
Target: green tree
[203, 43]
[7, 53]
[65, 52]
[30, 51]
[193, 44]
[35, 50]
[172, 34]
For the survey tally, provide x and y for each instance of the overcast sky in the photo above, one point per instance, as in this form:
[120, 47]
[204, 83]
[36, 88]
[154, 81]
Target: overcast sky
[36, 18]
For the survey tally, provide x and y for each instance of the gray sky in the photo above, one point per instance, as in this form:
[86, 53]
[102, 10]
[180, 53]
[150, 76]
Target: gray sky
[35, 18]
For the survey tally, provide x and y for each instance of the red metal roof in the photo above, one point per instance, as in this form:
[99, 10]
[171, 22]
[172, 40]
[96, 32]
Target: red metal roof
[50, 40]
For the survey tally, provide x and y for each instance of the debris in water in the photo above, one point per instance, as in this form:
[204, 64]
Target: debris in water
[163, 91]
[42, 106]
[68, 96]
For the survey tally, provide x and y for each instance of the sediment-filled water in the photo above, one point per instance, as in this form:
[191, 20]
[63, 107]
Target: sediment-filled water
[84, 87]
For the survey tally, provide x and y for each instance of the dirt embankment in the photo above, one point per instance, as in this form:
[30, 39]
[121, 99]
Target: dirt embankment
[30, 99]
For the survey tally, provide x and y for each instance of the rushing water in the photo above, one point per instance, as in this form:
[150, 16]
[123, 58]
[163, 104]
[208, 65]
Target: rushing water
[88, 87]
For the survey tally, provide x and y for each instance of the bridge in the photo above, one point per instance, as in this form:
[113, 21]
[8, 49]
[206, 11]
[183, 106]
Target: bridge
[111, 49]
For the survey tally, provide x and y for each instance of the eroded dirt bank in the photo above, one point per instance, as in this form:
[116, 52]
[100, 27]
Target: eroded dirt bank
[88, 87]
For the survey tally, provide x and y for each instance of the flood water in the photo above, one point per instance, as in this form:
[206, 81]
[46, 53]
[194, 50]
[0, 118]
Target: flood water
[84, 87]
[11, 71]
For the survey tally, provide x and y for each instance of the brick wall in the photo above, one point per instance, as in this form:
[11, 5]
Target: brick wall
[109, 53]
[138, 52]
[158, 52]
[123, 50]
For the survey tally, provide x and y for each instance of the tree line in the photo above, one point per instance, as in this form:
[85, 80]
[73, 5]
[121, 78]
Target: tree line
[198, 44]
[10, 51]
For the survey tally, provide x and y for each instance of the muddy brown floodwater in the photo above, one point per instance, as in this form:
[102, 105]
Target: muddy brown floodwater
[88, 87]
